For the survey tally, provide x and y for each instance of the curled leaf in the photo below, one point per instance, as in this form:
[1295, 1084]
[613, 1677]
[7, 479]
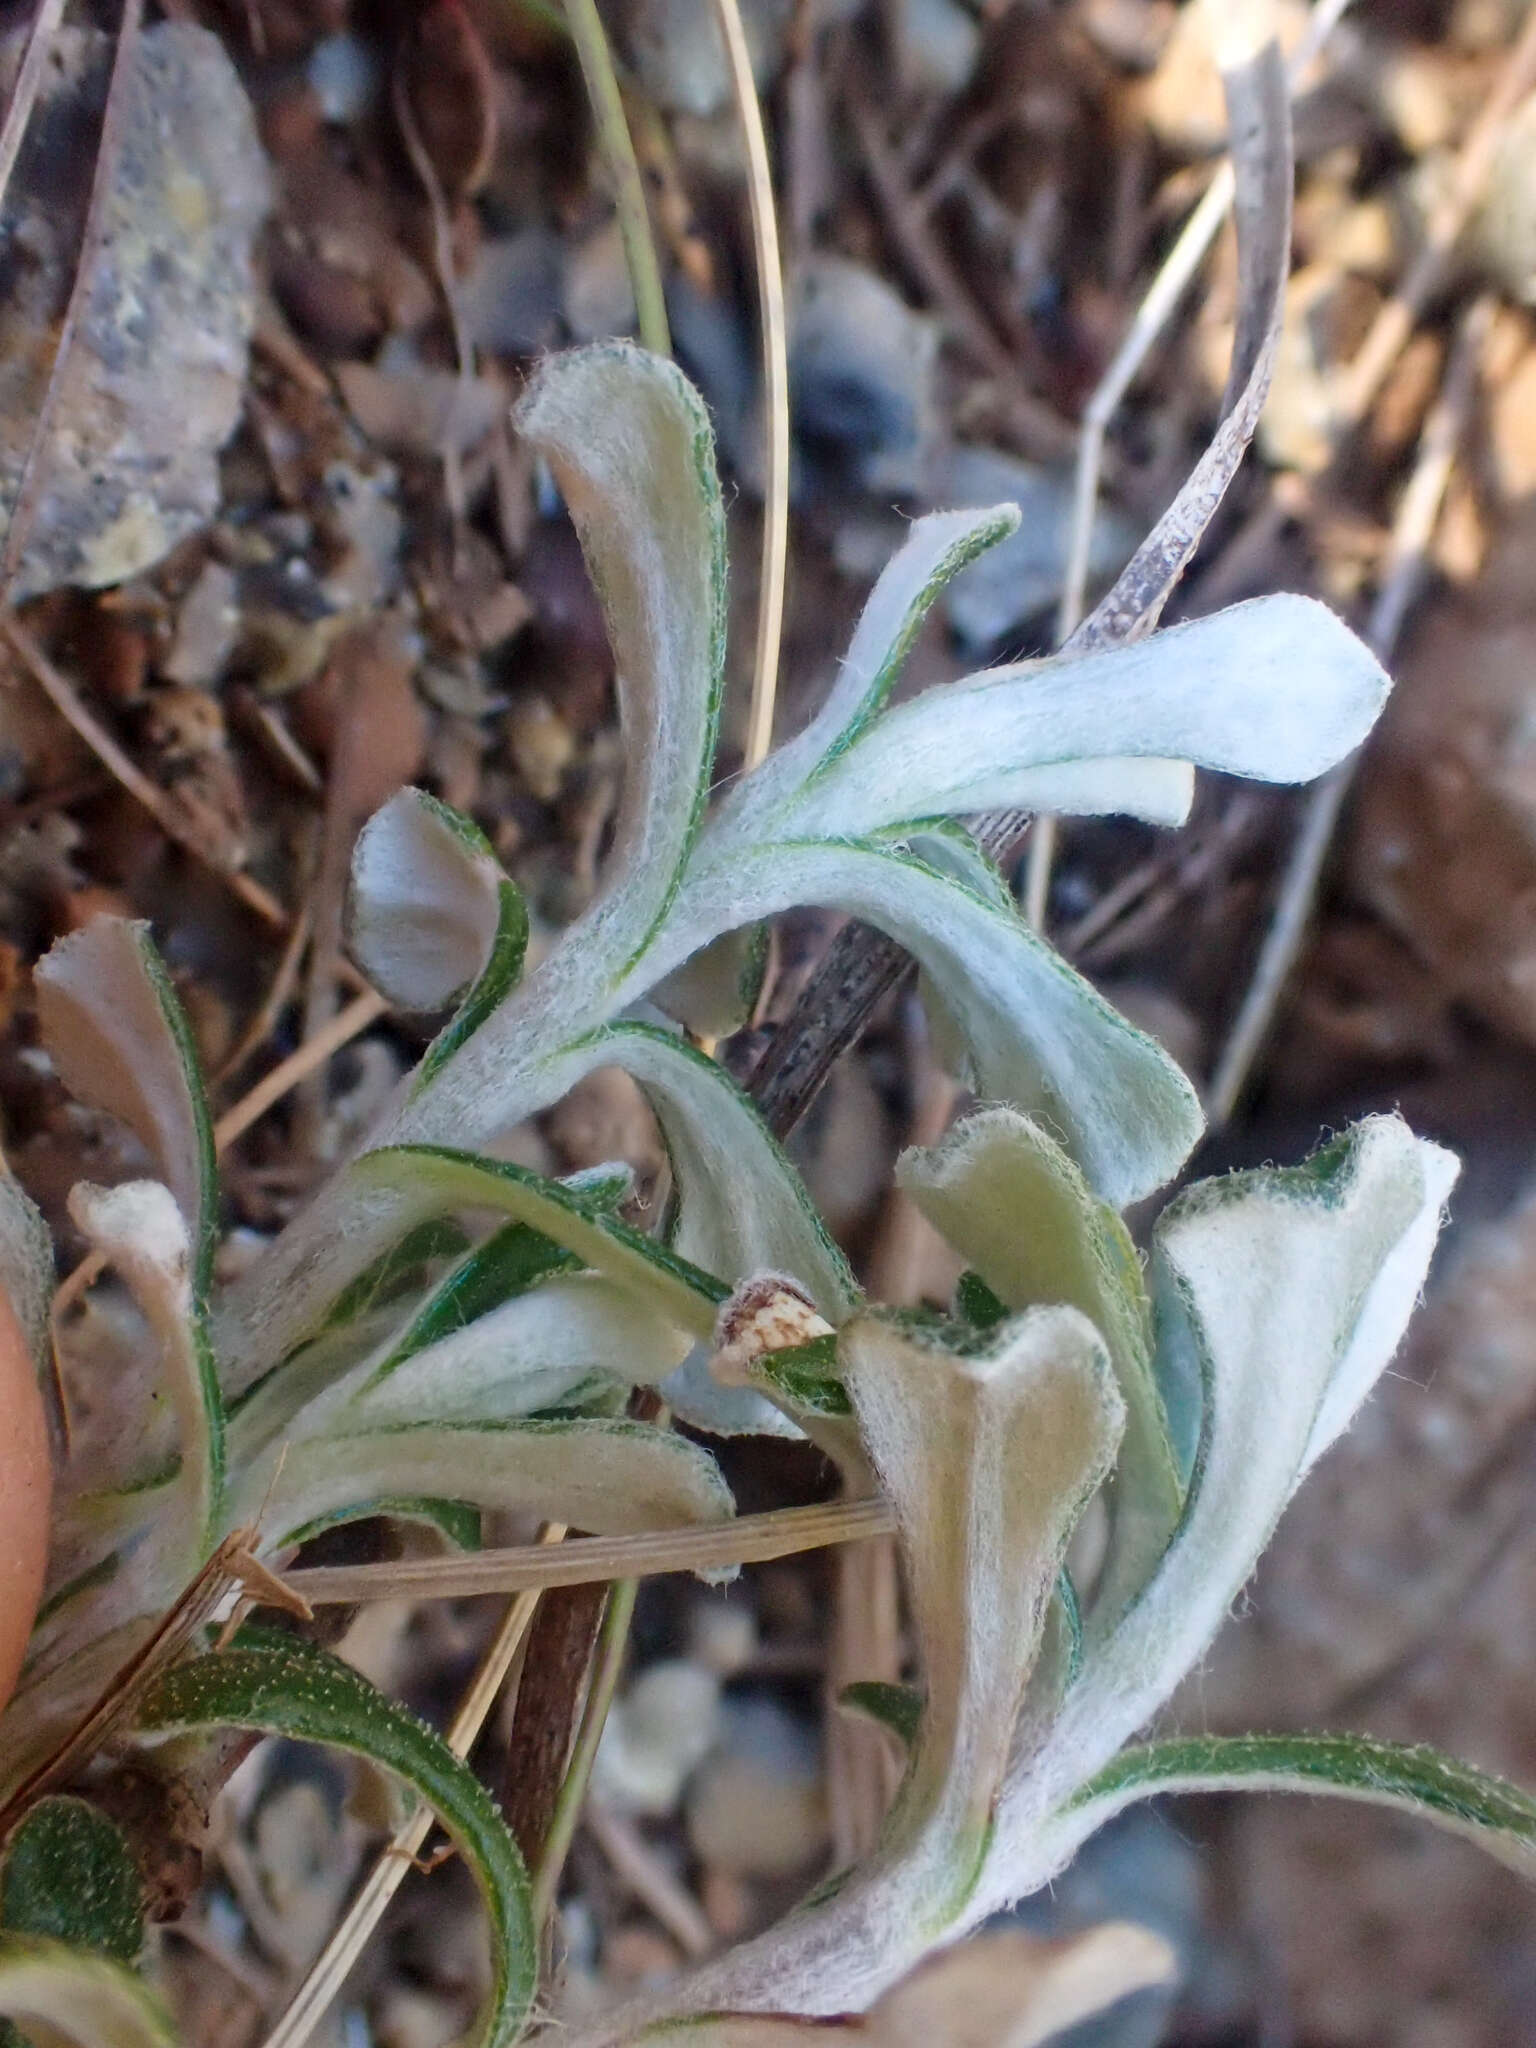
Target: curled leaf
[63, 1991]
[66, 1873]
[280, 1686]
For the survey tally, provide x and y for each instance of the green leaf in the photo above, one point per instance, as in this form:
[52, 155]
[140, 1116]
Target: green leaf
[507, 1264]
[121, 1042]
[540, 1350]
[1038, 1036]
[935, 551]
[988, 1459]
[1115, 730]
[430, 1179]
[1006, 1196]
[401, 1270]
[67, 1873]
[86, 1998]
[630, 444]
[1290, 1288]
[615, 1478]
[279, 1686]
[1495, 1815]
[430, 912]
[976, 1304]
[897, 1707]
[139, 1227]
[742, 1207]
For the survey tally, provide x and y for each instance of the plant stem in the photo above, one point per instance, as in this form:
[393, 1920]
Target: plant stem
[618, 149]
[612, 1643]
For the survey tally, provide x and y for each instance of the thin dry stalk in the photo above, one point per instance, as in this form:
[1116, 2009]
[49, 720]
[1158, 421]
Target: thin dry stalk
[362, 1011]
[644, 1873]
[1151, 317]
[586, 1560]
[618, 148]
[108, 150]
[331, 1967]
[1403, 579]
[770, 301]
[28, 79]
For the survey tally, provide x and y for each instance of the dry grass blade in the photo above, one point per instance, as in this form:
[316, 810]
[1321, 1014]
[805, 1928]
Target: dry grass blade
[770, 298]
[332, 1966]
[586, 1560]
[108, 150]
[30, 76]
[617, 144]
[1412, 533]
[362, 1011]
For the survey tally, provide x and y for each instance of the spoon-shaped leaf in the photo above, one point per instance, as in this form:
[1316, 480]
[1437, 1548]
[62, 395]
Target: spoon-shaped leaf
[120, 1040]
[67, 1874]
[630, 444]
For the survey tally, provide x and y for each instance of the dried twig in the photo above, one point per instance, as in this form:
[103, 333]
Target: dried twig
[362, 1011]
[586, 1560]
[109, 146]
[1403, 579]
[28, 79]
[642, 1871]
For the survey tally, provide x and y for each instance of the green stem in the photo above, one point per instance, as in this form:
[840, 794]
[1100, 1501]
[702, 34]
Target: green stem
[611, 1644]
[623, 167]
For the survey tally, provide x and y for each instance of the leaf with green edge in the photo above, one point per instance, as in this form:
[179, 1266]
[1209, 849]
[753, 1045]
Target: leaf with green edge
[631, 447]
[1115, 730]
[141, 1229]
[120, 1040]
[975, 1303]
[1495, 1815]
[805, 1376]
[503, 1266]
[1291, 1288]
[716, 992]
[988, 1459]
[66, 1873]
[429, 1180]
[400, 1270]
[274, 1685]
[539, 1350]
[1037, 1034]
[898, 1708]
[62, 1991]
[935, 551]
[1011, 1202]
[457, 1520]
[430, 911]
[615, 1478]
[742, 1207]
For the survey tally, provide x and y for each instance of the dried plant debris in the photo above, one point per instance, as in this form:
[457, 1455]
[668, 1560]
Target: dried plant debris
[152, 385]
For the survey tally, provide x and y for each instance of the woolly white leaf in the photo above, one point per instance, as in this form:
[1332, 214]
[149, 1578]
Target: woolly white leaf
[937, 549]
[1290, 1290]
[427, 1180]
[715, 993]
[988, 1459]
[533, 1352]
[630, 444]
[1004, 1990]
[115, 1031]
[614, 1478]
[139, 1227]
[743, 1207]
[65, 1993]
[1038, 1036]
[425, 903]
[1278, 689]
[1011, 1202]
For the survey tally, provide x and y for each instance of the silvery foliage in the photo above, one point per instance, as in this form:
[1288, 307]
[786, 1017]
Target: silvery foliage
[441, 1328]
